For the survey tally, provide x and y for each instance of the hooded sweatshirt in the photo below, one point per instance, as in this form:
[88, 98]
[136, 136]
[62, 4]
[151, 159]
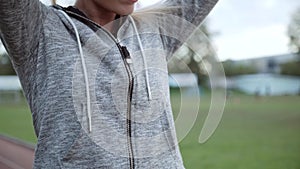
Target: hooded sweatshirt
[99, 99]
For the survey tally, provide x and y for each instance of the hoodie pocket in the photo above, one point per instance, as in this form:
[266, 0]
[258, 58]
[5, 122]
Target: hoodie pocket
[85, 154]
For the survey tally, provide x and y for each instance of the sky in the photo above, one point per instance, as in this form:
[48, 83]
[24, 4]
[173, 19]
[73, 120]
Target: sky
[249, 29]
[245, 29]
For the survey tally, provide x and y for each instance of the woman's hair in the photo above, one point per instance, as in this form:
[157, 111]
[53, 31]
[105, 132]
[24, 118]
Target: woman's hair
[53, 2]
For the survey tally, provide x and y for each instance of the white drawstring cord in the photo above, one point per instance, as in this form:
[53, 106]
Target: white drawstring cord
[88, 98]
[144, 58]
[86, 80]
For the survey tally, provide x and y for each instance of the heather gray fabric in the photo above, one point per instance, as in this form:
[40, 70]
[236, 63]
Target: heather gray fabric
[43, 47]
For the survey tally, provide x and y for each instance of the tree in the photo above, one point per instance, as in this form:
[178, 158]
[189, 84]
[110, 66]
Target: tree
[292, 68]
[233, 69]
[196, 55]
[6, 67]
[294, 32]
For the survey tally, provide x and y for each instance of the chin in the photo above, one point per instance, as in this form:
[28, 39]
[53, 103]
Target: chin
[125, 12]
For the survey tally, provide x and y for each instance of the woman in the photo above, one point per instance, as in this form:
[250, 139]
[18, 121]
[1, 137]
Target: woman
[95, 77]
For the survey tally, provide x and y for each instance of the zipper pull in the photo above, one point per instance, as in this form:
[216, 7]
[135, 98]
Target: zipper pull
[129, 60]
[126, 53]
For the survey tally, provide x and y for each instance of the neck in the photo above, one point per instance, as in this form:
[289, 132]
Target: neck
[96, 13]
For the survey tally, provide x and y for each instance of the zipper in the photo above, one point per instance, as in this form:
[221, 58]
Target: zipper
[127, 61]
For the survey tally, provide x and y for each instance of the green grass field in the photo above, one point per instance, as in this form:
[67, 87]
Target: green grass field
[254, 133]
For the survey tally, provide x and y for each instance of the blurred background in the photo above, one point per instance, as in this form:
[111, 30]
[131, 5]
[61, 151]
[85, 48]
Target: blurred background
[258, 44]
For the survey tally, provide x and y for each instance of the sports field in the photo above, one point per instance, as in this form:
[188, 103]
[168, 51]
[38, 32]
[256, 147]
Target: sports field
[255, 133]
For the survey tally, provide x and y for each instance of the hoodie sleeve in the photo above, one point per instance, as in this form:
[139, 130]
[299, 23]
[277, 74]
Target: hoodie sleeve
[193, 11]
[178, 19]
[20, 26]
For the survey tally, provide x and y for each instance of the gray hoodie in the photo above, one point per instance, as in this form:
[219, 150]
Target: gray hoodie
[99, 100]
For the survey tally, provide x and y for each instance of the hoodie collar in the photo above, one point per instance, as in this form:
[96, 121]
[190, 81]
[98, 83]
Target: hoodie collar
[79, 15]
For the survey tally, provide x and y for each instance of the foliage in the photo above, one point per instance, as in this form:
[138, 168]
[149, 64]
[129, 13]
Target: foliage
[6, 67]
[291, 68]
[196, 55]
[294, 32]
[232, 69]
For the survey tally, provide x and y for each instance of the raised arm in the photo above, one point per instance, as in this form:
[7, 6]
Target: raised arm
[20, 25]
[177, 19]
[193, 11]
